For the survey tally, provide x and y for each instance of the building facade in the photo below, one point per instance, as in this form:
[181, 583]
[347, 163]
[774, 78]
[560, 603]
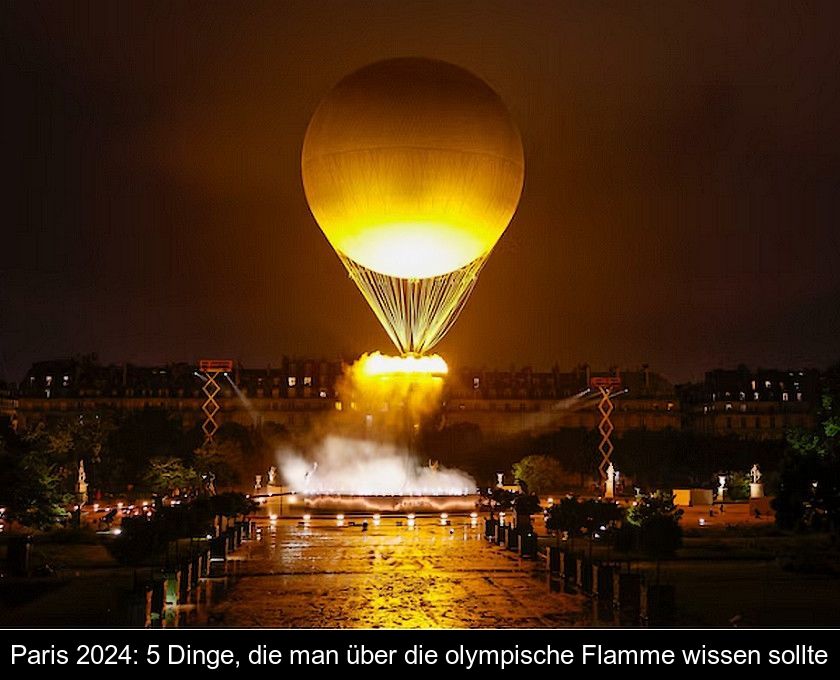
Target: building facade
[302, 394]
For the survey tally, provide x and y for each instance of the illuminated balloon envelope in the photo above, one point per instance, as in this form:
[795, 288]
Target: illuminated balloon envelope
[413, 169]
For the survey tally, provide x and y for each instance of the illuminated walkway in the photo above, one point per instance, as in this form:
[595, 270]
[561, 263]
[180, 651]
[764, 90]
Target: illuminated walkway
[389, 577]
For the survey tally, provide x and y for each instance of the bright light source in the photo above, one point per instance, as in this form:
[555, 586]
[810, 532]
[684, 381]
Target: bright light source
[307, 517]
[473, 515]
[377, 364]
[116, 531]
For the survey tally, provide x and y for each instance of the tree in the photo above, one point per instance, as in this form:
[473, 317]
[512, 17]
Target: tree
[598, 516]
[169, 473]
[657, 523]
[540, 473]
[525, 505]
[495, 499]
[139, 436]
[809, 475]
[38, 496]
[223, 459]
[565, 517]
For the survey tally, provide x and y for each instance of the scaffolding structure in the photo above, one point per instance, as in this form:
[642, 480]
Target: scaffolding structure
[210, 370]
[606, 387]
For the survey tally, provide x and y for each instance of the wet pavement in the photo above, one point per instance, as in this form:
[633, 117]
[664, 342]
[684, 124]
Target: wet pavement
[427, 576]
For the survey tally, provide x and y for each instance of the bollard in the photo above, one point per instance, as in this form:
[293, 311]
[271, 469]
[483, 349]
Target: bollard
[658, 604]
[627, 593]
[140, 607]
[555, 555]
[490, 528]
[195, 570]
[186, 578]
[500, 534]
[218, 548]
[172, 587]
[528, 545]
[568, 567]
[602, 581]
[18, 553]
[157, 603]
[583, 575]
[512, 539]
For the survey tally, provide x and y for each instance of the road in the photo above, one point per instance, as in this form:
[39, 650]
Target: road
[428, 576]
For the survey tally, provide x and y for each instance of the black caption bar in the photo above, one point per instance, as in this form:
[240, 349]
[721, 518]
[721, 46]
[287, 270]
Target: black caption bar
[240, 651]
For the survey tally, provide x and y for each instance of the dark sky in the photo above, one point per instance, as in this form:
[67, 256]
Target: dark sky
[681, 203]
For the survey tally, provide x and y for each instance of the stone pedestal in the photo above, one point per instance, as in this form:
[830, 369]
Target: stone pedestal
[756, 490]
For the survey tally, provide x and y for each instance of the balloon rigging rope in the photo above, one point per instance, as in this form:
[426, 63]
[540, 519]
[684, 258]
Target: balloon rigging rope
[416, 313]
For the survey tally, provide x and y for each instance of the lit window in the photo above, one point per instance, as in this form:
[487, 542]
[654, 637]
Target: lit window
[767, 384]
[728, 406]
[338, 406]
[752, 384]
[65, 380]
[48, 380]
[322, 394]
[307, 381]
[670, 406]
[785, 396]
[755, 396]
[476, 383]
[799, 396]
[742, 396]
[292, 381]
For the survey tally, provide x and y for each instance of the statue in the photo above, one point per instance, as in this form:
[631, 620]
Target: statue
[721, 487]
[81, 484]
[611, 475]
[257, 482]
[756, 485]
[500, 479]
[272, 474]
[210, 482]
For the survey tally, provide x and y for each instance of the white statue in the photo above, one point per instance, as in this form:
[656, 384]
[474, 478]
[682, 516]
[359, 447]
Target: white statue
[721, 487]
[81, 484]
[756, 486]
[257, 482]
[611, 475]
[272, 473]
[500, 479]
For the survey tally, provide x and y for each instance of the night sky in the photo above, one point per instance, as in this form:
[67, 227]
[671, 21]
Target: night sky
[681, 201]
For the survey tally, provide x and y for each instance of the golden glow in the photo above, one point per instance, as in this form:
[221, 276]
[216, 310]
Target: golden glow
[411, 250]
[376, 364]
[412, 167]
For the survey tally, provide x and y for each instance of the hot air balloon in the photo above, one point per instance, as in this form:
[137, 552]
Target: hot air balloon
[413, 169]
